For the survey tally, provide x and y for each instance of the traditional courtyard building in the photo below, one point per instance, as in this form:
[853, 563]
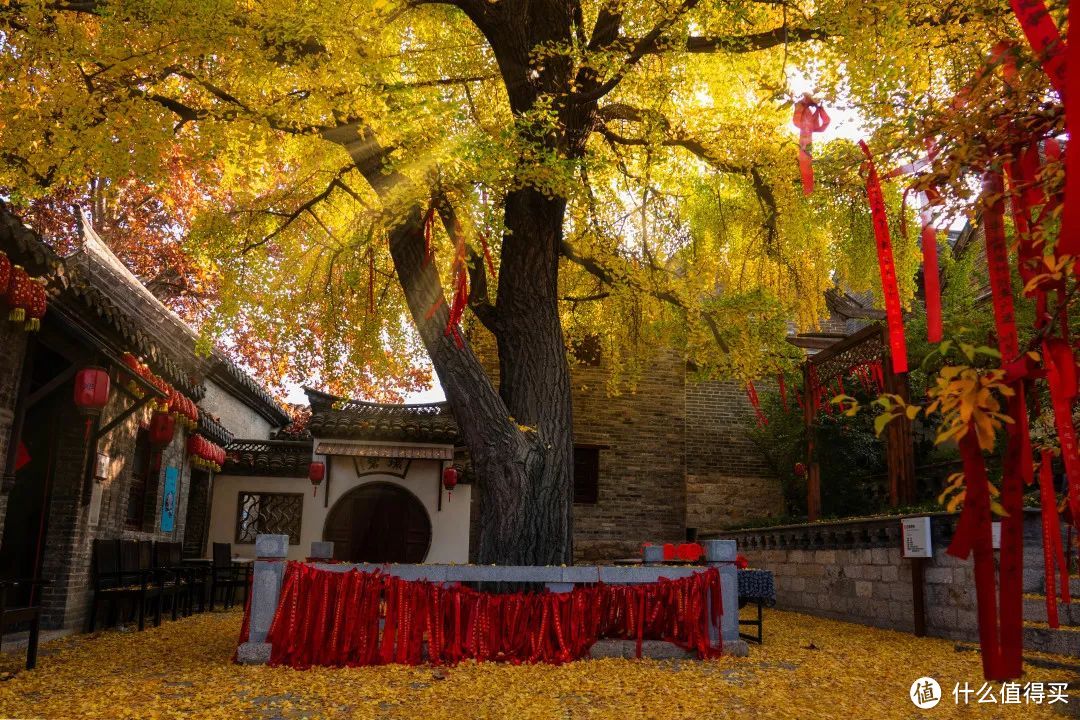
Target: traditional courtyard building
[663, 460]
[67, 478]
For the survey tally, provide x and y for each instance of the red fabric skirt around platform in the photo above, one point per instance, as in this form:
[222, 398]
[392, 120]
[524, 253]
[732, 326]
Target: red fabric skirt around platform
[355, 618]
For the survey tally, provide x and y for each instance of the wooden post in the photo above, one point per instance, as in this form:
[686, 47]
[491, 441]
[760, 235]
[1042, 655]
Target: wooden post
[899, 443]
[813, 472]
[918, 594]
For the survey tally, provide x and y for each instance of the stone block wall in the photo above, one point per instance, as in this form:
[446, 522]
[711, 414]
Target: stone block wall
[728, 481]
[853, 571]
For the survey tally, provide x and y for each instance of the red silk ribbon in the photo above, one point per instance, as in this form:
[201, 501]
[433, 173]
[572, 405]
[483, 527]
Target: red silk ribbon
[810, 117]
[353, 618]
[931, 277]
[893, 311]
[973, 534]
[1042, 33]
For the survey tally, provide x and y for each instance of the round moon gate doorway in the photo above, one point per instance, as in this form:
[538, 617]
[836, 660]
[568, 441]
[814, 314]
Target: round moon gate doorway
[379, 522]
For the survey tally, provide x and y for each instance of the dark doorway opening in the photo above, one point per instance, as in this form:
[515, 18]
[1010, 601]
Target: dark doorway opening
[25, 521]
[198, 514]
[379, 522]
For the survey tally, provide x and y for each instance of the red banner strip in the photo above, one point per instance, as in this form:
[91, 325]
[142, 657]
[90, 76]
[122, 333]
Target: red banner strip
[980, 541]
[1053, 553]
[1046, 41]
[1018, 473]
[997, 261]
[931, 278]
[1069, 236]
[1061, 374]
[893, 311]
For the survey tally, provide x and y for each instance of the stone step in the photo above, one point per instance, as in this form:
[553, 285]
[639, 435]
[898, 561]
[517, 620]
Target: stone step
[1035, 610]
[1063, 641]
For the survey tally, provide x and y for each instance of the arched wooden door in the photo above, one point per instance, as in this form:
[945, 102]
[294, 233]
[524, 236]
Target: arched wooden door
[379, 522]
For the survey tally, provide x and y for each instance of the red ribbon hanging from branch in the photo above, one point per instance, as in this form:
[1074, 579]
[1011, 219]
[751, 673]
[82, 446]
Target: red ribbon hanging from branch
[1046, 41]
[1053, 550]
[810, 117]
[931, 277]
[1061, 374]
[751, 394]
[1069, 236]
[997, 261]
[893, 311]
[973, 533]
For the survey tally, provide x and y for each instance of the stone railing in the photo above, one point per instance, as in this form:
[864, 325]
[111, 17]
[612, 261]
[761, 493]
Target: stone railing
[269, 571]
[853, 534]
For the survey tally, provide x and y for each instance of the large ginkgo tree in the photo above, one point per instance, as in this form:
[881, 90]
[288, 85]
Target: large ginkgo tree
[619, 173]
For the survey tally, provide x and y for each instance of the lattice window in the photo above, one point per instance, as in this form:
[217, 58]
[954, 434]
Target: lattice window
[266, 513]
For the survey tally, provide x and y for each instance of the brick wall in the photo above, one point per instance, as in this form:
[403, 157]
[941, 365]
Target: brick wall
[728, 481]
[72, 526]
[641, 431]
[853, 571]
[12, 350]
[673, 453]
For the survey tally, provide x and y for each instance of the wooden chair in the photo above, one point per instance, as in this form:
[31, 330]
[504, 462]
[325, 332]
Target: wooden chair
[110, 586]
[195, 577]
[168, 578]
[11, 616]
[225, 575]
[137, 572]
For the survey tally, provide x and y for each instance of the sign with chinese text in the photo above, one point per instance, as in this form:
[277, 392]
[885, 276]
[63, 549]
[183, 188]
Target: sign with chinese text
[915, 537]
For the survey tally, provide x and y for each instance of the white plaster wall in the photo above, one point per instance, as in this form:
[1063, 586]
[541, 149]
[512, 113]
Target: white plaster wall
[238, 418]
[449, 527]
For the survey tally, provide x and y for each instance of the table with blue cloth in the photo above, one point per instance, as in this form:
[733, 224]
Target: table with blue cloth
[758, 587]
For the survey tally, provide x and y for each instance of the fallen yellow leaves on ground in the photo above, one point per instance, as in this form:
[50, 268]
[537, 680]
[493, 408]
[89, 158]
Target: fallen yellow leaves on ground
[808, 668]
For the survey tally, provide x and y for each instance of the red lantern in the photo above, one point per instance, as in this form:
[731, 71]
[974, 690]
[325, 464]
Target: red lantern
[18, 294]
[194, 448]
[162, 428]
[800, 470]
[316, 472]
[91, 390]
[450, 478]
[39, 302]
[5, 273]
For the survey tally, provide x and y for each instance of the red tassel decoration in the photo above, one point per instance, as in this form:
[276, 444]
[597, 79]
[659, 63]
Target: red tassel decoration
[810, 117]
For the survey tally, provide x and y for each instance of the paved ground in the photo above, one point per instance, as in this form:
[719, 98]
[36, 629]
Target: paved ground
[808, 668]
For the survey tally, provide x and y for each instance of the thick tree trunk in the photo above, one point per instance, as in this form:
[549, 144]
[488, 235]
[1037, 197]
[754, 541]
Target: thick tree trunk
[519, 443]
[520, 438]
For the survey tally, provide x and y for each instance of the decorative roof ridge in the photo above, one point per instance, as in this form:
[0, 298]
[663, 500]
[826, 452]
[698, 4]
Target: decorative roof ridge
[320, 401]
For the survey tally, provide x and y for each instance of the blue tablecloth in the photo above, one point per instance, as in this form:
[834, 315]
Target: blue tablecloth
[757, 585]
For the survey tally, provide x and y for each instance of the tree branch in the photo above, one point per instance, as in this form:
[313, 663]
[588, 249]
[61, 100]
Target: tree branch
[614, 278]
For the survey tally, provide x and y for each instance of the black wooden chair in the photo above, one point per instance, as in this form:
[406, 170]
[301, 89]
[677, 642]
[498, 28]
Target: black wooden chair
[15, 616]
[170, 580]
[225, 576]
[110, 585]
[119, 576]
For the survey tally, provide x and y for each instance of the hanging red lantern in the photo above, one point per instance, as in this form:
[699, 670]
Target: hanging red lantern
[449, 478]
[39, 302]
[5, 273]
[91, 391]
[316, 473]
[800, 470]
[162, 428]
[18, 294]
